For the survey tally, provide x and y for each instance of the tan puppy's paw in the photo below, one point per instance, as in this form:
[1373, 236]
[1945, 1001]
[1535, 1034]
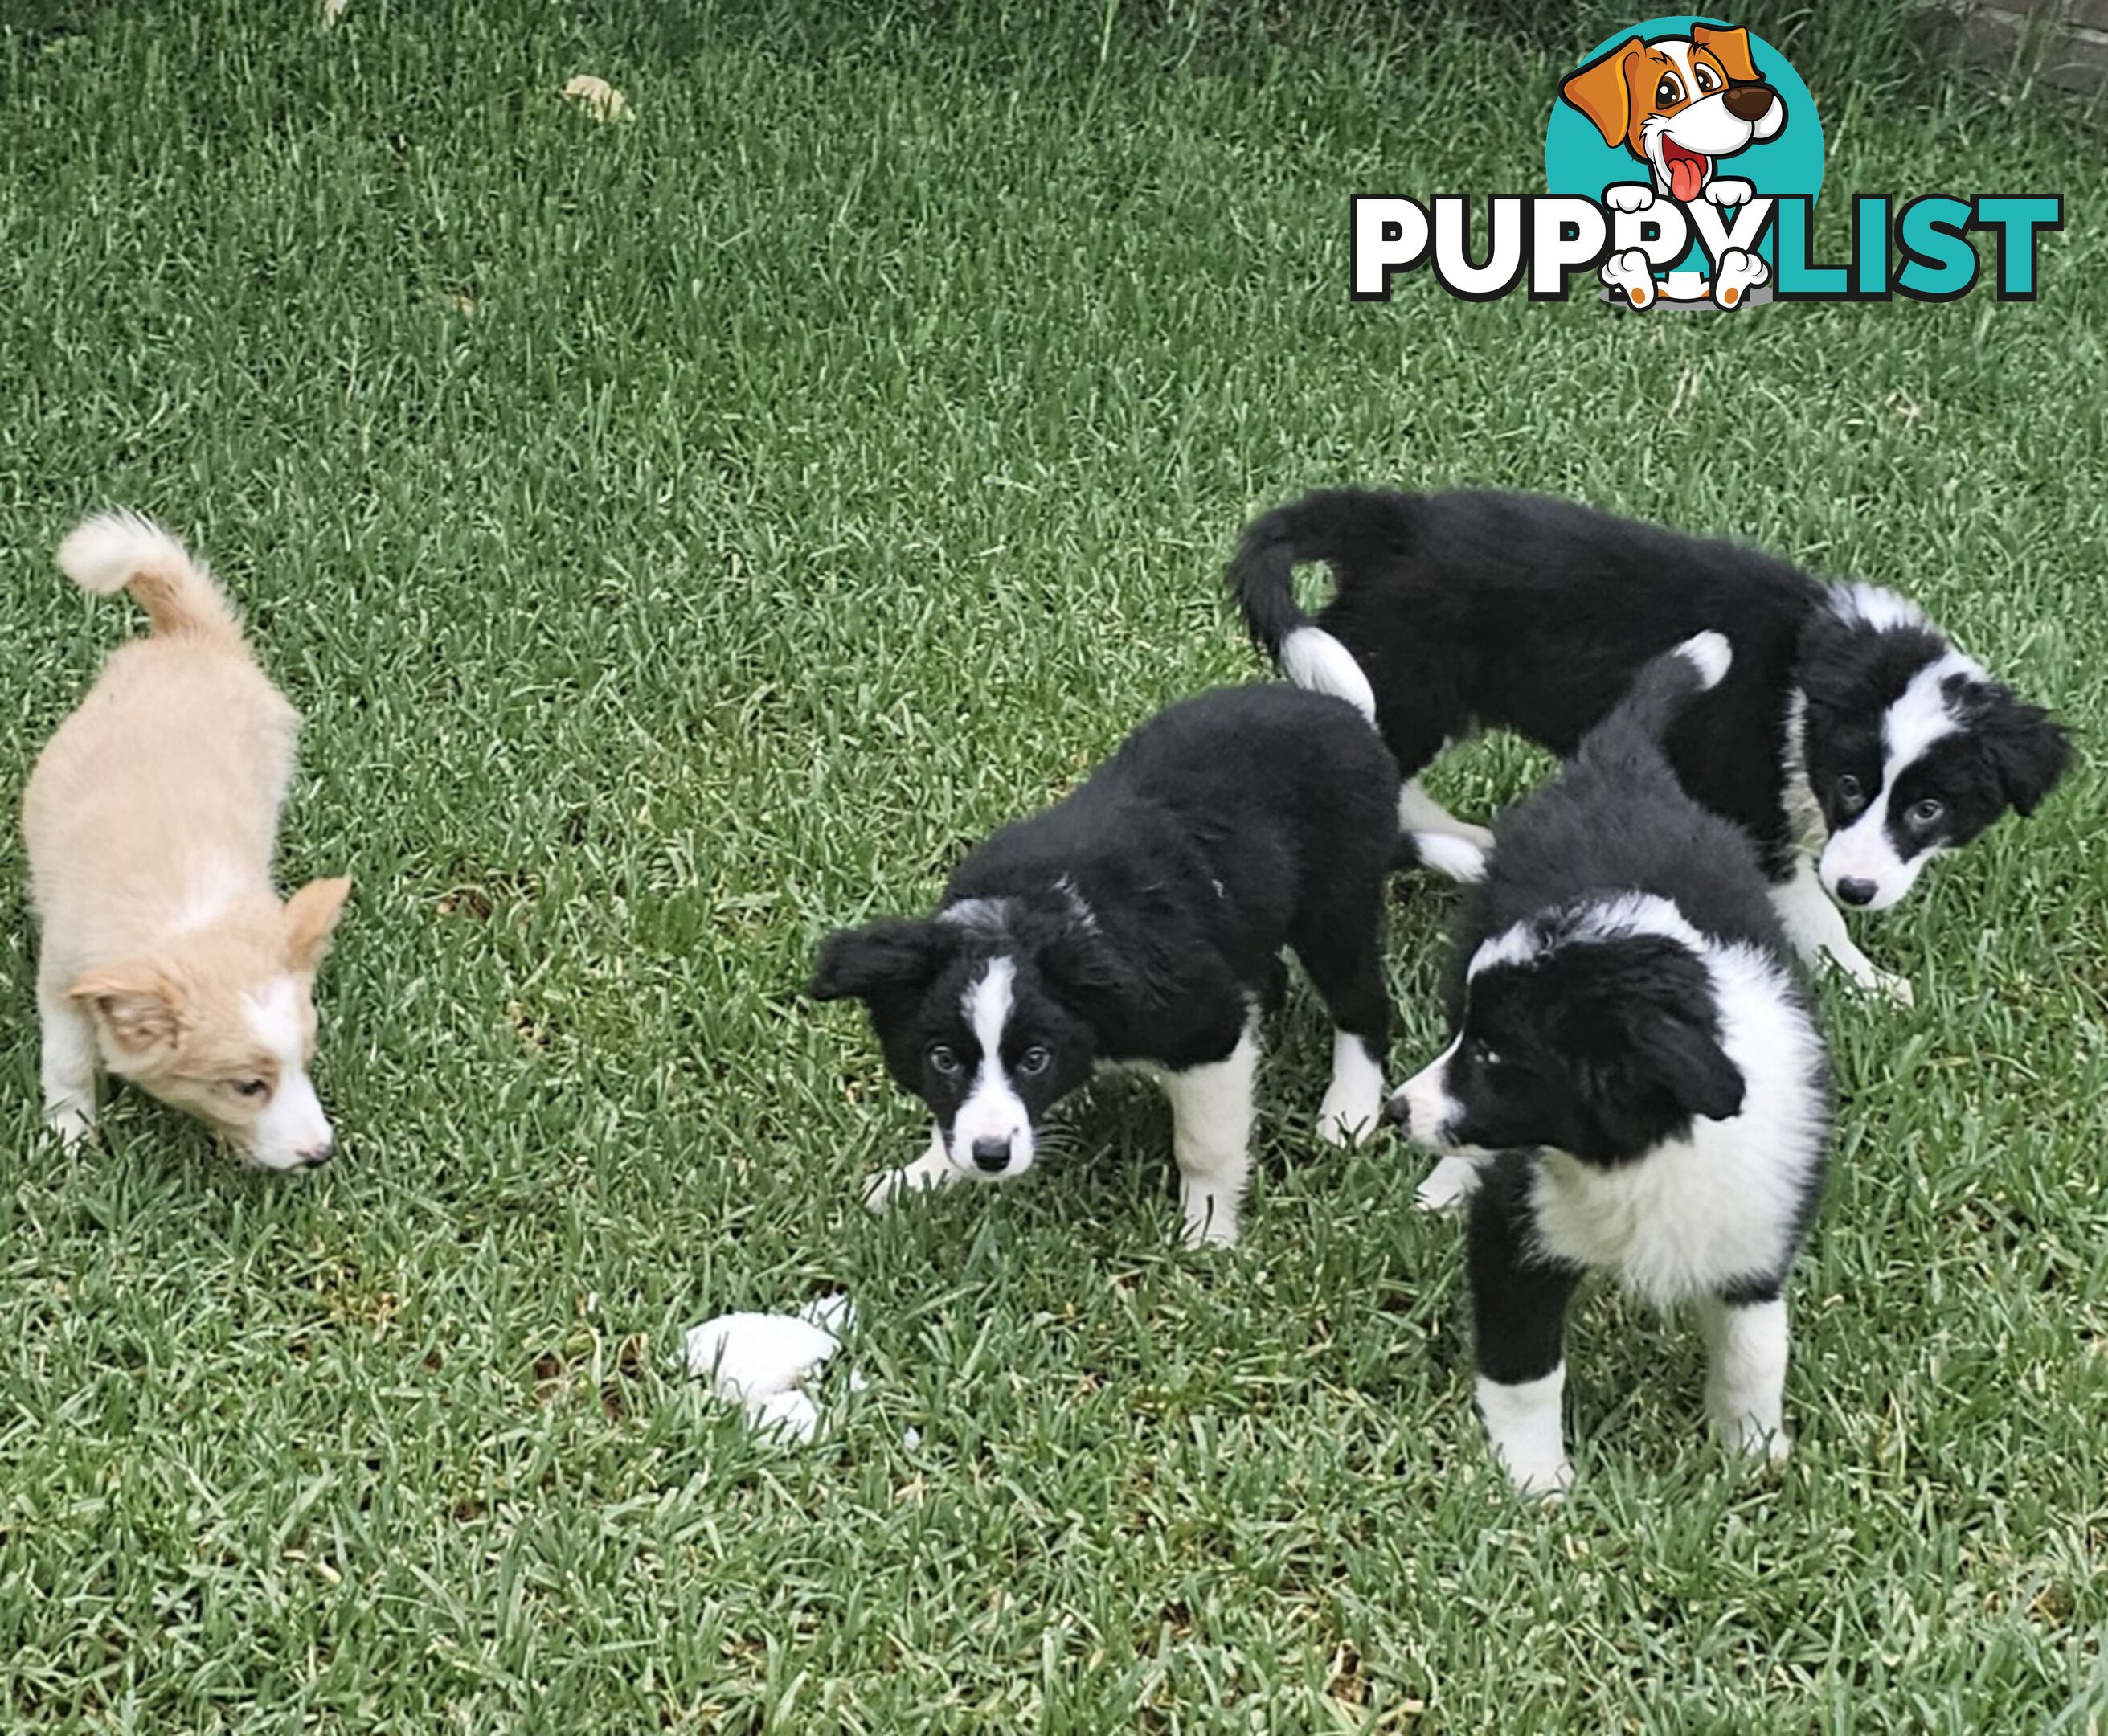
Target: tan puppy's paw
[72, 1124]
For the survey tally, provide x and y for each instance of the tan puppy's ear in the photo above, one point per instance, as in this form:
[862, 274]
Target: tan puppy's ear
[311, 915]
[1731, 48]
[1602, 91]
[141, 1007]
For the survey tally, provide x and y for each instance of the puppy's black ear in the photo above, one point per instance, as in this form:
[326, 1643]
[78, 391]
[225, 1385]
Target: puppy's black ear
[1689, 1062]
[2029, 749]
[888, 958]
[1078, 964]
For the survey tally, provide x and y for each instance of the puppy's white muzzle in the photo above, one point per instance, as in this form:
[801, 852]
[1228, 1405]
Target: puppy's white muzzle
[293, 1133]
[1860, 868]
[991, 1134]
[991, 1158]
[1423, 1109]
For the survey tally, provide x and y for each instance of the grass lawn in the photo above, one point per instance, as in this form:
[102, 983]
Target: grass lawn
[682, 537]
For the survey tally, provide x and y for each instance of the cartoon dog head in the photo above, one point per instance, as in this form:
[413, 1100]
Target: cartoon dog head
[1679, 103]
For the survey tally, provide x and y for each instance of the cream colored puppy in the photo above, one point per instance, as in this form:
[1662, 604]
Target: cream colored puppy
[167, 959]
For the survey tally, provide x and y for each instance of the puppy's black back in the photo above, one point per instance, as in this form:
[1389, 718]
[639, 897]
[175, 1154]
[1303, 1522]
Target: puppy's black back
[1261, 789]
[1524, 613]
[1221, 828]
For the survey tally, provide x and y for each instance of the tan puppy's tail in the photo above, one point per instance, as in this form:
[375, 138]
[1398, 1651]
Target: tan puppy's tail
[121, 551]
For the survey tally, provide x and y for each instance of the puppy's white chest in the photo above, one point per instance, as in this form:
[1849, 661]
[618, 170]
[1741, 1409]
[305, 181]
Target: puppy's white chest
[1692, 1216]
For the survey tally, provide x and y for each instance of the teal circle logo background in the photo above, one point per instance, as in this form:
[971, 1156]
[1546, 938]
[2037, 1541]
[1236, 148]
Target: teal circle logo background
[1578, 162]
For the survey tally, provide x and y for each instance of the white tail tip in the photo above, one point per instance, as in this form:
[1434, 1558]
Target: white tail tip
[1314, 660]
[1458, 858]
[102, 553]
[1710, 654]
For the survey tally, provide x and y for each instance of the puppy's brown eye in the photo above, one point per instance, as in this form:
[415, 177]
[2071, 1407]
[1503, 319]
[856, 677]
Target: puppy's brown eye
[943, 1060]
[1848, 791]
[1926, 814]
[249, 1087]
[1033, 1060]
[1704, 79]
[1669, 90]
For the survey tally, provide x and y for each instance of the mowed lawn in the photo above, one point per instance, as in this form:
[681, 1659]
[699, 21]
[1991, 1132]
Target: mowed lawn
[683, 536]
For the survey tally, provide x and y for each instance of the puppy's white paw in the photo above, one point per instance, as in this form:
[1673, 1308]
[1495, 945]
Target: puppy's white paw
[1523, 1429]
[72, 1124]
[1633, 196]
[1448, 1185]
[1353, 1108]
[1545, 1480]
[1729, 191]
[885, 1189]
[1342, 1125]
[929, 1171]
[1744, 1437]
[1876, 981]
[1211, 1219]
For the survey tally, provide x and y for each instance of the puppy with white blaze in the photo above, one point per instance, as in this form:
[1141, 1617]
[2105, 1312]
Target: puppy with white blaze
[1140, 921]
[1851, 741]
[168, 958]
[1635, 1084]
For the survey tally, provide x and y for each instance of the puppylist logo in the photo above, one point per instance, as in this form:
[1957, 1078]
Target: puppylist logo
[1682, 159]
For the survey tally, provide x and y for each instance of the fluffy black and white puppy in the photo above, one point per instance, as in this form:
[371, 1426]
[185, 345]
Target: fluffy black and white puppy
[1851, 741]
[1634, 1075]
[1141, 920]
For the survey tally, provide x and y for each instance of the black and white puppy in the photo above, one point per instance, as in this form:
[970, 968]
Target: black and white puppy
[1141, 920]
[1634, 1075]
[1851, 740]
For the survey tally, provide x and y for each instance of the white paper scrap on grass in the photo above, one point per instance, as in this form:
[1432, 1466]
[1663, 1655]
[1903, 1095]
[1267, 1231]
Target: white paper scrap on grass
[759, 1361]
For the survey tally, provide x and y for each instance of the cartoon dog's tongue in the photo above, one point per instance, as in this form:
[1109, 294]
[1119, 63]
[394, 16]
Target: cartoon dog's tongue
[1686, 171]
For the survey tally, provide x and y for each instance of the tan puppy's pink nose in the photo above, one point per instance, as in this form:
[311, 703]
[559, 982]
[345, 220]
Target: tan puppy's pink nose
[1749, 102]
[315, 1155]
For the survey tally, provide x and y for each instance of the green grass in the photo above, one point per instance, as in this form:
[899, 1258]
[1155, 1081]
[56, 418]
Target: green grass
[682, 537]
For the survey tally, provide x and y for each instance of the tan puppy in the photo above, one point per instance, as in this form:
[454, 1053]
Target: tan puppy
[151, 819]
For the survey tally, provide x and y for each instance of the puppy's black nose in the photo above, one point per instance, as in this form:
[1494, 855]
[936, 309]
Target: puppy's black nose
[1749, 102]
[1394, 1111]
[992, 1155]
[1857, 892]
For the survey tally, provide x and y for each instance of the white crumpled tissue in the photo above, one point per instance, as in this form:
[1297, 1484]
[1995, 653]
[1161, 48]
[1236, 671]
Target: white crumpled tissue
[761, 1361]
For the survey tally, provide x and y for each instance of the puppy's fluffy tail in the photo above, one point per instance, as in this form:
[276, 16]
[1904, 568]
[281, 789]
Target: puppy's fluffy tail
[1262, 582]
[1658, 695]
[123, 552]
